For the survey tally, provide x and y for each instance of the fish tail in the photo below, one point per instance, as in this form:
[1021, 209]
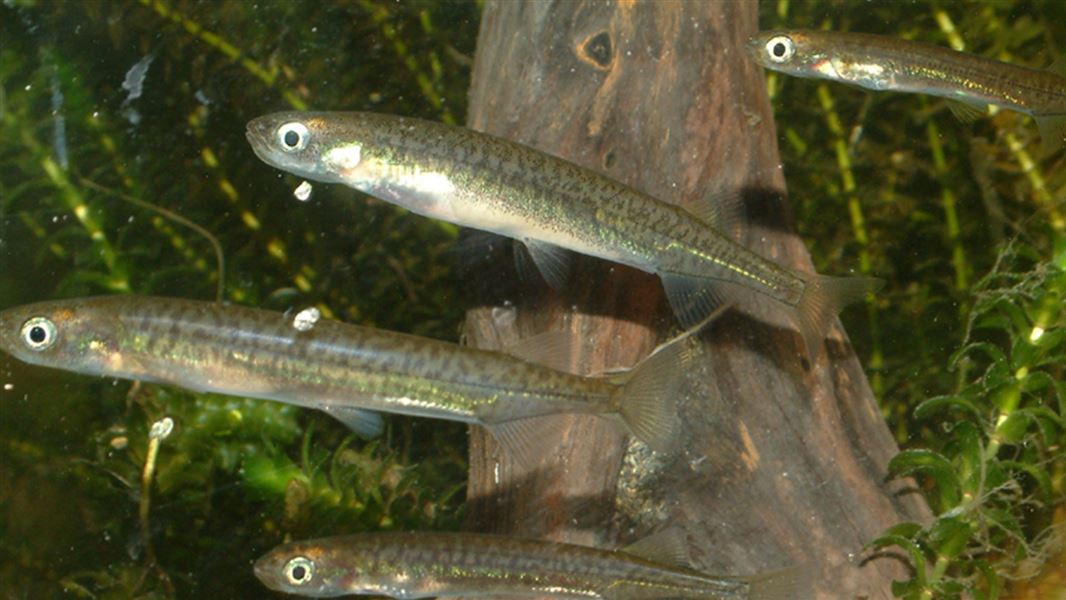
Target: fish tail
[822, 299]
[647, 397]
[780, 585]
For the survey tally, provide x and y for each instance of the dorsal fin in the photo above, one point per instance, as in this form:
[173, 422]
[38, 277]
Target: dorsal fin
[668, 546]
[553, 349]
[1058, 66]
[722, 210]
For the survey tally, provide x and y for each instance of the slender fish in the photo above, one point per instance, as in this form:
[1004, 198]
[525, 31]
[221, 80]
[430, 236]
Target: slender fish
[422, 565]
[881, 62]
[550, 205]
[345, 370]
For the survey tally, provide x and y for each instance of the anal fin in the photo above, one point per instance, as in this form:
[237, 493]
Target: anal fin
[692, 298]
[367, 423]
[1052, 131]
[528, 441]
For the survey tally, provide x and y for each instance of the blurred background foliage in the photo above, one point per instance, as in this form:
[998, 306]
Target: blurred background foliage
[104, 101]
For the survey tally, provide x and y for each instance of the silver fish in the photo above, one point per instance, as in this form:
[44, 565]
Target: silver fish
[427, 564]
[879, 62]
[345, 370]
[550, 205]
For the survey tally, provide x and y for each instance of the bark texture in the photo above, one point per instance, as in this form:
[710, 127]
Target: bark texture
[783, 461]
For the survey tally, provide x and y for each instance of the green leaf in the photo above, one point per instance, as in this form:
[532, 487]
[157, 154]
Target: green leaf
[969, 450]
[911, 548]
[932, 406]
[991, 351]
[933, 465]
[1013, 428]
[950, 535]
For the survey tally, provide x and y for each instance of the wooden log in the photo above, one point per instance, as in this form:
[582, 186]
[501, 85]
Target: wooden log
[783, 461]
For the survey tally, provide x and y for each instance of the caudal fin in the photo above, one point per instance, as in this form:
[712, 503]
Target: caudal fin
[780, 585]
[822, 299]
[648, 396]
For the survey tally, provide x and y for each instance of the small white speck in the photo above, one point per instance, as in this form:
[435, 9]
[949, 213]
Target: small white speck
[496, 474]
[1036, 334]
[161, 429]
[306, 319]
[504, 316]
[9, 386]
[303, 191]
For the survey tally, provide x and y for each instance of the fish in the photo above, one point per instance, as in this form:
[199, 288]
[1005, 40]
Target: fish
[551, 206]
[345, 370]
[879, 62]
[427, 564]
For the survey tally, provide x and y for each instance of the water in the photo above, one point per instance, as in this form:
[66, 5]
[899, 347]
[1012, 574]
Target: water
[153, 106]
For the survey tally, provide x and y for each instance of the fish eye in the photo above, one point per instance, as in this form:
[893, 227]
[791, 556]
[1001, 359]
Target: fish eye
[780, 48]
[299, 570]
[39, 333]
[293, 136]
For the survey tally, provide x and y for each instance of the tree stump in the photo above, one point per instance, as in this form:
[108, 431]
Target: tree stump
[782, 461]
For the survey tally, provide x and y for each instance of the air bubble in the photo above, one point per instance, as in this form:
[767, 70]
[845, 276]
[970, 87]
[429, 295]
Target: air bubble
[161, 429]
[303, 191]
[305, 319]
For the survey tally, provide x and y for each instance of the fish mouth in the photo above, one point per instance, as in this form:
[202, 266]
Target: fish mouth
[753, 44]
[264, 569]
[258, 134]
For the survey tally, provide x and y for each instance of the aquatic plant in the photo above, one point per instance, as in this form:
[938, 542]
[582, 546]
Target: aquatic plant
[972, 392]
[996, 473]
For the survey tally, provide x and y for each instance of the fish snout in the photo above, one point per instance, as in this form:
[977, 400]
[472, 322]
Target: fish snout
[265, 568]
[258, 131]
[752, 45]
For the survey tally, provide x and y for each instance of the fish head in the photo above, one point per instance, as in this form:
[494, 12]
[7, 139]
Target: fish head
[793, 52]
[309, 569]
[67, 334]
[320, 146]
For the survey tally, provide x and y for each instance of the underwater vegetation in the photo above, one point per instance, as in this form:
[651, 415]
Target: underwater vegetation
[105, 106]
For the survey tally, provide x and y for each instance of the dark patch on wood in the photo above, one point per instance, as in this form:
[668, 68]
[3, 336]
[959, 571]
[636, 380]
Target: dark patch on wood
[783, 463]
[597, 50]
